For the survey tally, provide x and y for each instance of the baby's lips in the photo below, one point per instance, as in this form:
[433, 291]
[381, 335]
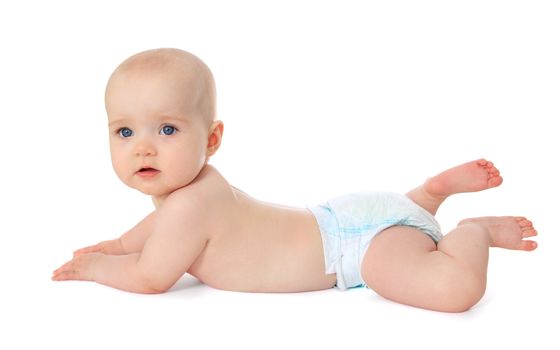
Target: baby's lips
[146, 168]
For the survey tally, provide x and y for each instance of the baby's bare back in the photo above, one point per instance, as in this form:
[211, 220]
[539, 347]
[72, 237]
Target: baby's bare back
[256, 246]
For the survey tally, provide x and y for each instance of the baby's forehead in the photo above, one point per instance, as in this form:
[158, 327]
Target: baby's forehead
[170, 75]
[168, 82]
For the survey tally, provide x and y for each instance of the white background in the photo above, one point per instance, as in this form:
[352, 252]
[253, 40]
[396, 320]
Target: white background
[318, 99]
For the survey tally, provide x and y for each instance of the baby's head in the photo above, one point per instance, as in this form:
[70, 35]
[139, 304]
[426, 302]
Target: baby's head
[161, 106]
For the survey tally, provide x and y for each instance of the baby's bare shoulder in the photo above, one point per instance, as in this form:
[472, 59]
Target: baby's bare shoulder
[201, 198]
[184, 212]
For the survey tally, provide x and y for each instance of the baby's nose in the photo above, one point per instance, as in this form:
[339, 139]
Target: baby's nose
[145, 148]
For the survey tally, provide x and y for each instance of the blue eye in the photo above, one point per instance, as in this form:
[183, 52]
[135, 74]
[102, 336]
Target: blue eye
[125, 132]
[168, 130]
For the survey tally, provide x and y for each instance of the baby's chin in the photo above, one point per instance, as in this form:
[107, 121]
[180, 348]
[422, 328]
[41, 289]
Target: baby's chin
[157, 188]
[157, 191]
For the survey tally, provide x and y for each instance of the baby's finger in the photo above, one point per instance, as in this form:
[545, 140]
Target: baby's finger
[66, 275]
[68, 271]
[90, 249]
[63, 267]
[83, 250]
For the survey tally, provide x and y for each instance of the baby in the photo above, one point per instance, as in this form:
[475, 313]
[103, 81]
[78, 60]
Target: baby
[161, 106]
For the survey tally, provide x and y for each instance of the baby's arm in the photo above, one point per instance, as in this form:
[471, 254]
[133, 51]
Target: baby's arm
[131, 241]
[134, 239]
[178, 238]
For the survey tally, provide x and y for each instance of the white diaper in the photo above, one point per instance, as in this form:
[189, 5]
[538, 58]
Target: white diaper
[348, 224]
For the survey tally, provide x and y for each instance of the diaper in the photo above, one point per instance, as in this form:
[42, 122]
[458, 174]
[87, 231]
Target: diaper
[348, 224]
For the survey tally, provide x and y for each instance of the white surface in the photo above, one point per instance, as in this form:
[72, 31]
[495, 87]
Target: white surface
[318, 100]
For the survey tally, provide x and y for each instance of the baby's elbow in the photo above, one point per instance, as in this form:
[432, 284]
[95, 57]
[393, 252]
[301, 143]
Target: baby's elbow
[154, 285]
[153, 289]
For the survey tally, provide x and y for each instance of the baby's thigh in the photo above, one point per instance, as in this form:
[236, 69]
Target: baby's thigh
[395, 260]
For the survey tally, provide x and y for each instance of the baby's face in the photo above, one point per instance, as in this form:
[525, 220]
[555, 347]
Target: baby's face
[153, 127]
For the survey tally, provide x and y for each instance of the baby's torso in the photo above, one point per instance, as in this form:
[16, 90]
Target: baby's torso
[257, 246]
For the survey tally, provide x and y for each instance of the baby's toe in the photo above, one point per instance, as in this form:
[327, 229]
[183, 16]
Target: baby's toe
[494, 181]
[527, 245]
[530, 232]
[482, 162]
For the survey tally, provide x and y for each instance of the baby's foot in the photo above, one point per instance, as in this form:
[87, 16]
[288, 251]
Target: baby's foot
[507, 231]
[473, 176]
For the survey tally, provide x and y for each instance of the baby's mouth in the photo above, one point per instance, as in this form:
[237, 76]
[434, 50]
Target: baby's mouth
[147, 172]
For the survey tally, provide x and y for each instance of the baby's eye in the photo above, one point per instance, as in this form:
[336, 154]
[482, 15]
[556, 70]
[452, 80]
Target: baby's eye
[168, 130]
[125, 132]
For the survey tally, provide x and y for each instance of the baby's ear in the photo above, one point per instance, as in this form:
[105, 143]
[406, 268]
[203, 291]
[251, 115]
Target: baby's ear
[215, 137]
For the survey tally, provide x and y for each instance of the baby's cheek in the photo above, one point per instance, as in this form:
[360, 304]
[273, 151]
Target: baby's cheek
[186, 171]
[120, 167]
[116, 165]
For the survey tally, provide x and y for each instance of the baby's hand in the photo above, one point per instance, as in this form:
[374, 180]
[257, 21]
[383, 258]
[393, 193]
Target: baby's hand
[81, 267]
[112, 247]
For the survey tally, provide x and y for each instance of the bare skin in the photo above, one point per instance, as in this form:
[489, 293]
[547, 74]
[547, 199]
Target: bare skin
[160, 106]
[404, 265]
[507, 232]
[473, 176]
[249, 245]
[263, 247]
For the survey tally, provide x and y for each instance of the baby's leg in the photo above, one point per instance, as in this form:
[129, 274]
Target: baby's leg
[473, 176]
[403, 264]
